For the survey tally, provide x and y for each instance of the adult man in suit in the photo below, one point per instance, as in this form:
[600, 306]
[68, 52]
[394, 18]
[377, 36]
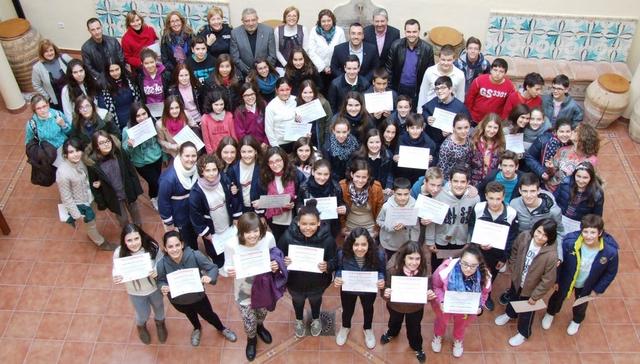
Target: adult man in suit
[98, 50]
[366, 53]
[252, 41]
[381, 34]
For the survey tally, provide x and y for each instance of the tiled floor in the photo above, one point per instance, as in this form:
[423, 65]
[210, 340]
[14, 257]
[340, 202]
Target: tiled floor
[57, 302]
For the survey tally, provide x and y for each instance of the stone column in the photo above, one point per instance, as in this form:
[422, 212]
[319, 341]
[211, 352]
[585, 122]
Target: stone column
[9, 87]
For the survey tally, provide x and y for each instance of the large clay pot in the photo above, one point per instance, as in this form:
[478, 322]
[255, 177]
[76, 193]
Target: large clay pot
[439, 36]
[634, 124]
[20, 43]
[606, 99]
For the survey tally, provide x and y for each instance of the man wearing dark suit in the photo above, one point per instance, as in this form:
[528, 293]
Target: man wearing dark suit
[349, 81]
[366, 53]
[381, 34]
[252, 41]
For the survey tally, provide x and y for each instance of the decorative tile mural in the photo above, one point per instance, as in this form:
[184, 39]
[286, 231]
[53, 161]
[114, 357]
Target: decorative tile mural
[570, 38]
[112, 13]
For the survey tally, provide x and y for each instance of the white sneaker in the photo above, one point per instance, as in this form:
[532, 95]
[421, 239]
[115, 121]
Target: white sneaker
[154, 202]
[457, 348]
[502, 319]
[341, 338]
[517, 340]
[573, 328]
[436, 344]
[547, 320]
[369, 339]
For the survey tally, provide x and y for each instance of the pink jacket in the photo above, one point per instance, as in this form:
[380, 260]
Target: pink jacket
[440, 279]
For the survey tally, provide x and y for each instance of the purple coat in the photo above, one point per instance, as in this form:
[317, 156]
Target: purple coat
[269, 287]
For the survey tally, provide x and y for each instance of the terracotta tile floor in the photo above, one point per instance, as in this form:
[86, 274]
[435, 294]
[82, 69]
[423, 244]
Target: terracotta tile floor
[57, 302]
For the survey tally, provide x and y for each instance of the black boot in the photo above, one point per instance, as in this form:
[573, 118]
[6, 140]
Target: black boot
[162, 331]
[143, 333]
[251, 348]
[265, 335]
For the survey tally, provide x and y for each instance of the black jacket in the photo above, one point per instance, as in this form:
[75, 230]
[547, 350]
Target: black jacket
[395, 61]
[197, 95]
[96, 61]
[84, 136]
[367, 66]
[200, 212]
[339, 88]
[392, 35]
[223, 39]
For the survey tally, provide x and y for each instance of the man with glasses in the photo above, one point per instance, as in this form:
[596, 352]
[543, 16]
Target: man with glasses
[443, 100]
[252, 41]
[559, 104]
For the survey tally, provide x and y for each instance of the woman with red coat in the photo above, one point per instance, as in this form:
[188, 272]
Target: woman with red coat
[137, 37]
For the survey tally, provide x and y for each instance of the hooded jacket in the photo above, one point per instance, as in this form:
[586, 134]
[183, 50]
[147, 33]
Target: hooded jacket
[455, 229]
[391, 239]
[472, 70]
[190, 259]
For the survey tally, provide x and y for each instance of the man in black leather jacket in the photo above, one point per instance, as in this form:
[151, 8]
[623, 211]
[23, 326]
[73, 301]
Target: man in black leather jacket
[99, 49]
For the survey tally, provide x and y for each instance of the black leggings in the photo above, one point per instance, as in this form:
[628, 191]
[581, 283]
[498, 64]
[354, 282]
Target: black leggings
[277, 230]
[202, 308]
[151, 174]
[349, 299]
[315, 300]
[525, 319]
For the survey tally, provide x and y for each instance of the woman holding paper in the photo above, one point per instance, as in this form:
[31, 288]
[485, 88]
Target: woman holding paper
[179, 258]
[307, 231]
[309, 93]
[465, 274]
[487, 144]
[363, 197]
[143, 293]
[359, 253]
[409, 261]
[146, 156]
[590, 265]
[173, 120]
[245, 173]
[279, 112]
[533, 263]
[87, 121]
[580, 194]
[212, 204]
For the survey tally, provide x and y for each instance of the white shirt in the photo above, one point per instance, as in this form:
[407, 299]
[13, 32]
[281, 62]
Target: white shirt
[320, 51]
[528, 259]
[217, 208]
[428, 90]
[246, 174]
[277, 114]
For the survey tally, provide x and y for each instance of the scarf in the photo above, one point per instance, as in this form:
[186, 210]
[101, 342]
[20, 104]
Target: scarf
[487, 153]
[186, 177]
[268, 85]
[289, 189]
[327, 35]
[361, 198]
[408, 272]
[317, 190]
[173, 126]
[342, 151]
[209, 186]
[458, 283]
[180, 46]
[226, 81]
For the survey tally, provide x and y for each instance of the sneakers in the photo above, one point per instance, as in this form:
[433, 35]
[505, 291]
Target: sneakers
[573, 328]
[502, 319]
[369, 339]
[316, 327]
[107, 246]
[489, 305]
[385, 338]
[195, 337]
[154, 203]
[436, 344]
[341, 338]
[421, 356]
[229, 335]
[547, 320]
[457, 348]
[299, 329]
[517, 340]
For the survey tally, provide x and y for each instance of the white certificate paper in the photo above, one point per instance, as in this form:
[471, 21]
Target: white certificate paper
[156, 109]
[570, 225]
[328, 207]
[461, 302]
[431, 209]
[132, 267]
[444, 119]
[63, 215]
[142, 132]
[273, 201]
[294, 130]
[485, 232]
[524, 306]
[184, 281]
[251, 263]
[413, 157]
[378, 101]
[584, 299]
[409, 289]
[219, 240]
[515, 142]
[355, 281]
[187, 135]
[304, 258]
[311, 111]
[406, 216]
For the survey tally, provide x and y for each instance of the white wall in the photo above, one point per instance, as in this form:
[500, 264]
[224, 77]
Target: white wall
[6, 10]
[470, 17]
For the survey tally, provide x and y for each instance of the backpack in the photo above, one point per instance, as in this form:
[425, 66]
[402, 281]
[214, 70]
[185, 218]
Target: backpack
[41, 155]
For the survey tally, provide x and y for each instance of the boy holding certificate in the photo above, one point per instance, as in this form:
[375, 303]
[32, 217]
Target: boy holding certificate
[392, 238]
[496, 211]
[445, 101]
[415, 137]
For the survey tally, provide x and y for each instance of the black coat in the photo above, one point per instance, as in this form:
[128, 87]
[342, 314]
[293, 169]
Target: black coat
[223, 39]
[369, 63]
[199, 209]
[96, 61]
[370, 37]
[395, 61]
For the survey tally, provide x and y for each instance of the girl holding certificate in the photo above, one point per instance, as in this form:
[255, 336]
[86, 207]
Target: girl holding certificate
[359, 253]
[487, 144]
[307, 231]
[143, 292]
[320, 127]
[363, 197]
[533, 263]
[580, 194]
[409, 261]
[465, 274]
[179, 257]
[172, 121]
[252, 236]
[279, 112]
[212, 204]
[245, 173]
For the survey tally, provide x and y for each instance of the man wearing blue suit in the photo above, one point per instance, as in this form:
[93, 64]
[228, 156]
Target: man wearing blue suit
[252, 41]
[366, 53]
[381, 34]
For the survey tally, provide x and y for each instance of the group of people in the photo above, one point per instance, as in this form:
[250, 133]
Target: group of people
[239, 89]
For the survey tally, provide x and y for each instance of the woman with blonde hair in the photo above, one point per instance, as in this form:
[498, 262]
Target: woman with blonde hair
[48, 76]
[216, 32]
[289, 35]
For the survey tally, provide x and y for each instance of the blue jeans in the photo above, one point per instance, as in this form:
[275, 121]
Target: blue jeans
[143, 305]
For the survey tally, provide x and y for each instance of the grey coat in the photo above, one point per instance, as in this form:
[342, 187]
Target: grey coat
[42, 82]
[241, 49]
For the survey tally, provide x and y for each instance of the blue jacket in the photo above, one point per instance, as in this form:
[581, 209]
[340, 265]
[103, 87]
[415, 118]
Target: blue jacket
[603, 270]
[562, 194]
[173, 199]
[422, 142]
[471, 71]
[455, 106]
[417, 187]
[233, 172]
[568, 110]
[199, 211]
[343, 263]
[533, 155]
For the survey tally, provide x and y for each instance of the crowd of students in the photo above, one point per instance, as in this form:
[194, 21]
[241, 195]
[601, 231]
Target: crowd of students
[238, 89]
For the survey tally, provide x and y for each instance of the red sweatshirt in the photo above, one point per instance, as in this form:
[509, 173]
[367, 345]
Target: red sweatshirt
[133, 43]
[484, 97]
[516, 99]
[213, 131]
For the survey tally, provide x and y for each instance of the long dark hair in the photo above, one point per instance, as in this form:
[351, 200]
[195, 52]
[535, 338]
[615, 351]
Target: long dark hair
[217, 78]
[409, 248]
[192, 78]
[266, 174]
[260, 103]
[308, 69]
[302, 141]
[96, 154]
[371, 259]
[133, 116]
[363, 152]
[125, 77]
[149, 244]
[89, 83]
[474, 249]
[593, 188]
[384, 124]
[78, 119]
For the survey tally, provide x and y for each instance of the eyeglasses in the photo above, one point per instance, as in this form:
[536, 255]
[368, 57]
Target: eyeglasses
[464, 264]
[104, 142]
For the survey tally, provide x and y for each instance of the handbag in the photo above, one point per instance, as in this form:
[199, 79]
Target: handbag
[41, 155]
